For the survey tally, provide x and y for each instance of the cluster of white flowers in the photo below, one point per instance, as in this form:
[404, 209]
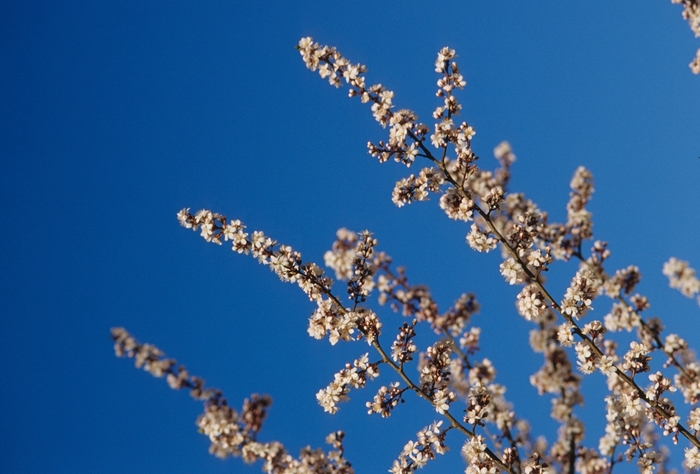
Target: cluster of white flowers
[353, 259]
[606, 364]
[519, 220]
[493, 198]
[525, 225]
[435, 375]
[403, 348]
[578, 217]
[332, 65]
[451, 79]
[625, 419]
[232, 433]
[512, 271]
[674, 343]
[621, 316]
[648, 461]
[565, 335]
[668, 421]
[477, 410]
[594, 330]
[482, 373]
[342, 254]
[486, 402]
[692, 455]
[455, 319]
[481, 241]
[456, 206]
[469, 341]
[442, 399]
[531, 302]
[415, 301]
[416, 454]
[323, 320]
[403, 125]
[523, 232]
[586, 357]
[361, 283]
[220, 423]
[636, 359]
[386, 399]
[624, 281]
[414, 188]
[695, 67]
[535, 464]
[556, 375]
[504, 154]
[352, 376]
[341, 324]
[330, 317]
[694, 420]
[659, 386]
[682, 277]
[691, 13]
[479, 462]
[276, 459]
[580, 294]
[688, 382]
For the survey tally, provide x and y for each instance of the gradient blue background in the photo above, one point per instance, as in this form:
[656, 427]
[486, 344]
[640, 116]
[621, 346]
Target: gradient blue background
[114, 115]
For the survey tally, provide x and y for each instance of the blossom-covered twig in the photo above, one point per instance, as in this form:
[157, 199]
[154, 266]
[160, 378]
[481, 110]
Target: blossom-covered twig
[682, 277]
[232, 433]
[691, 13]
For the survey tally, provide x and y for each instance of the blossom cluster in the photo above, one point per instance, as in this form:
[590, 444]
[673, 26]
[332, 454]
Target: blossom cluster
[416, 454]
[695, 67]
[682, 277]
[691, 13]
[352, 376]
[417, 188]
[580, 294]
[481, 241]
[415, 301]
[403, 348]
[386, 399]
[435, 376]
[474, 451]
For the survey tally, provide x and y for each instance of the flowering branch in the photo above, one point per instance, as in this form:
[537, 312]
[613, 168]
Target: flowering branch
[448, 369]
[339, 322]
[231, 433]
[518, 225]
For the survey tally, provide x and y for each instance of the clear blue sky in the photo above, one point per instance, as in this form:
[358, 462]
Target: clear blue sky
[115, 115]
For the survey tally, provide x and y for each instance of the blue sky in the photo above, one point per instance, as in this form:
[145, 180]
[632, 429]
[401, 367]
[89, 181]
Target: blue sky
[114, 116]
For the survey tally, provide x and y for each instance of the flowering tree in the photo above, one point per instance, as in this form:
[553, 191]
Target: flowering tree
[450, 374]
